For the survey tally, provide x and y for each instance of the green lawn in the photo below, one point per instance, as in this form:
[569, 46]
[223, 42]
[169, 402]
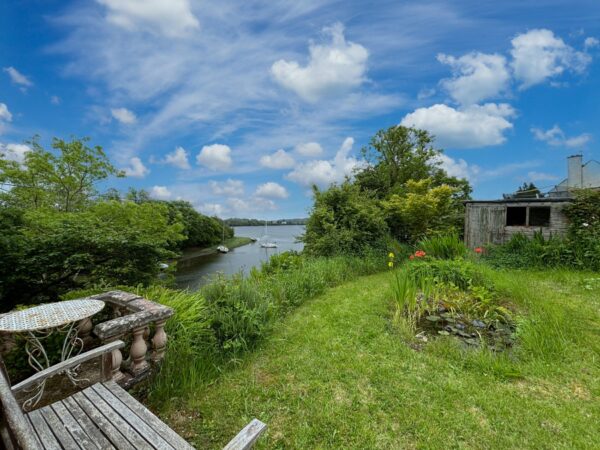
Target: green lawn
[337, 374]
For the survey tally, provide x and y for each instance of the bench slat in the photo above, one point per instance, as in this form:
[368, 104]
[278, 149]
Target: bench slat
[131, 418]
[92, 430]
[73, 427]
[66, 440]
[117, 437]
[146, 415]
[246, 438]
[43, 431]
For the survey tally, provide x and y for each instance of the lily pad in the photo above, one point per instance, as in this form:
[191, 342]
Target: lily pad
[433, 318]
[443, 333]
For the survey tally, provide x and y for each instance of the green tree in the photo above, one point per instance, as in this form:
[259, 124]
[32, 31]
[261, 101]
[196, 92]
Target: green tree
[528, 190]
[64, 179]
[344, 220]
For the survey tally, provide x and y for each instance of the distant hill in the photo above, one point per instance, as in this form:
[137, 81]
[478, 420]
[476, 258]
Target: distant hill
[238, 222]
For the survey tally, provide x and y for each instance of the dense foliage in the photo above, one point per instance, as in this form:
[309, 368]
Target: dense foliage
[401, 193]
[59, 233]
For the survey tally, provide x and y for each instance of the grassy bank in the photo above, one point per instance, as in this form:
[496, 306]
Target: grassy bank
[337, 374]
[195, 252]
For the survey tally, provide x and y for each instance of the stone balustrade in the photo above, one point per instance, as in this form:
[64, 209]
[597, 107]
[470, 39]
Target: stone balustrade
[134, 320]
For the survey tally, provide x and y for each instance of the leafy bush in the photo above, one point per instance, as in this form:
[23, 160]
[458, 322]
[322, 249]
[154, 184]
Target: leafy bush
[462, 273]
[445, 246]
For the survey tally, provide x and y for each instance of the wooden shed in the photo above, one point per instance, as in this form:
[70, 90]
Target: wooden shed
[496, 221]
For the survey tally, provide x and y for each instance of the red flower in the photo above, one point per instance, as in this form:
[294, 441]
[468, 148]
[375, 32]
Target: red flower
[478, 250]
[420, 253]
[411, 257]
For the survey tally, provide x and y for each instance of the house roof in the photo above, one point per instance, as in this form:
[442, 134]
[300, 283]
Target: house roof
[525, 200]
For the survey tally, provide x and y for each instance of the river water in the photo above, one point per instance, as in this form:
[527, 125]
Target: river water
[193, 274]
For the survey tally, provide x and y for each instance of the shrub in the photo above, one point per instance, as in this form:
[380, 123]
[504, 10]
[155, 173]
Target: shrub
[462, 273]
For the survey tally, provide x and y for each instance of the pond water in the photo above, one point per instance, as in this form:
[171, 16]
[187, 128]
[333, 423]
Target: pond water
[194, 273]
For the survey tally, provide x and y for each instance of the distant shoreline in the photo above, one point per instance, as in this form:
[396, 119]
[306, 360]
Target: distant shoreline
[197, 252]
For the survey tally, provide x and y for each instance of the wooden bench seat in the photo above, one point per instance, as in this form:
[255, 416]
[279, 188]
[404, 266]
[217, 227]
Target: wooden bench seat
[103, 416]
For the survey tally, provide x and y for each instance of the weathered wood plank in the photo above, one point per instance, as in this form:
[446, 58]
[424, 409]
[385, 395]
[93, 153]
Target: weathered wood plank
[34, 434]
[73, 427]
[146, 430]
[125, 428]
[143, 413]
[246, 438]
[64, 365]
[20, 427]
[117, 437]
[62, 434]
[43, 431]
[91, 429]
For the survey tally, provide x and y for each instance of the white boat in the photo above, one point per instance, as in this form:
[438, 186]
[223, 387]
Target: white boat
[264, 241]
[222, 249]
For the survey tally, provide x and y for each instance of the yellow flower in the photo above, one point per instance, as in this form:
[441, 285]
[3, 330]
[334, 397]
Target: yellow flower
[391, 264]
[391, 255]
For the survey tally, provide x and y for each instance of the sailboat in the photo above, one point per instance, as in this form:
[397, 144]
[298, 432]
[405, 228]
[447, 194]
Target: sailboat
[264, 240]
[221, 248]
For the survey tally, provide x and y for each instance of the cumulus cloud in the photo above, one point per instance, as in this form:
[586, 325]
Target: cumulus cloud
[475, 76]
[160, 192]
[55, 100]
[172, 18]
[310, 149]
[458, 167]
[271, 190]
[469, 127]
[539, 55]
[17, 77]
[123, 115]
[325, 172]
[136, 169]
[5, 116]
[240, 206]
[212, 209]
[557, 138]
[14, 152]
[178, 158]
[278, 160]
[215, 157]
[229, 187]
[332, 68]
[591, 42]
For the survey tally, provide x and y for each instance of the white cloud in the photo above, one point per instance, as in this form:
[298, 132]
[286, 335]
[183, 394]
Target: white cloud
[325, 172]
[278, 160]
[541, 176]
[539, 55]
[55, 100]
[310, 149]
[475, 76]
[123, 115]
[173, 18]
[178, 158]
[469, 127]
[271, 190]
[137, 169]
[212, 209]
[591, 42]
[332, 68]
[5, 116]
[215, 157]
[17, 77]
[229, 187]
[160, 192]
[458, 167]
[14, 152]
[239, 206]
[557, 138]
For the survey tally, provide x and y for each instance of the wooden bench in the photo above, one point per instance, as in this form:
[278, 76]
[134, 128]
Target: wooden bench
[102, 416]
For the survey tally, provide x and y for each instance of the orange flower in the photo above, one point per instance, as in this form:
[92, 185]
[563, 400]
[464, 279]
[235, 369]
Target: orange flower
[478, 250]
[420, 253]
[411, 257]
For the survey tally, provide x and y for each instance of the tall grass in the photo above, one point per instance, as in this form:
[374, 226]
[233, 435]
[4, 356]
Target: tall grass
[447, 246]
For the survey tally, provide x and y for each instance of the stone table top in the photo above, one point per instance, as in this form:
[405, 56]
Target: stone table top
[50, 315]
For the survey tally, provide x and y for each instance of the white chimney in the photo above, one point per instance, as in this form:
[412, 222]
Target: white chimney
[575, 180]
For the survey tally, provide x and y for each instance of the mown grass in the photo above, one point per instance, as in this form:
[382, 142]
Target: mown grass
[337, 374]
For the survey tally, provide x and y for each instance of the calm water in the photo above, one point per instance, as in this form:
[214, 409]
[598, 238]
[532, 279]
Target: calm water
[196, 273]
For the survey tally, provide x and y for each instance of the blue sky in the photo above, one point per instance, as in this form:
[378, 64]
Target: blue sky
[239, 106]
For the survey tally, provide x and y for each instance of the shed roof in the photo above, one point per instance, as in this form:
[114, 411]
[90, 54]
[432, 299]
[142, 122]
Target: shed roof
[525, 200]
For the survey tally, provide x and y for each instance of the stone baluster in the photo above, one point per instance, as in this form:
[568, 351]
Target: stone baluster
[84, 329]
[138, 351]
[159, 341]
[116, 358]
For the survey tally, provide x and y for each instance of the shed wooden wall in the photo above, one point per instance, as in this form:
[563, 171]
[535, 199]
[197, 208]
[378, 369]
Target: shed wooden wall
[485, 223]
